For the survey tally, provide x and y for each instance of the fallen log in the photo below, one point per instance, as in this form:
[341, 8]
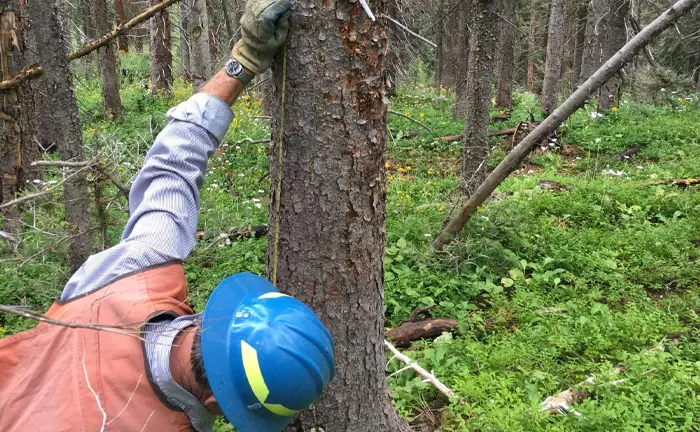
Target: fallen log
[505, 132]
[408, 332]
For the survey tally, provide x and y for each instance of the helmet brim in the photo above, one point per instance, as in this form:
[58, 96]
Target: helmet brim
[216, 352]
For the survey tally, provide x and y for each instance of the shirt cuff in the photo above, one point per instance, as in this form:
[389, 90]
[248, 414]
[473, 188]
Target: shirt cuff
[206, 111]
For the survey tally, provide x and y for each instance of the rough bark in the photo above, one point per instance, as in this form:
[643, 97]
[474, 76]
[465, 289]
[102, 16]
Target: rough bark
[161, 57]
[198, 36]
[61, 122]
[123, 44]
[112, 103]
[227, 22]
[463, 55]
[506, 48]
[532, 48]
[482, 44]
[551, 123]
[553, 65]
[88, 33]
[593, 51]
[440, 50]
[580, 42]
[332, 207]
[615, 38]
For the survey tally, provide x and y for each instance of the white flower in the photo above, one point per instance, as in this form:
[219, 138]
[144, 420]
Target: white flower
[258, 205]
[241, 175]
[578, 158]
[652, 176]
[52, 182]
[255, 200]
[663, 89]
[36, 181]
[215, 185]
[238, 147]
[614, 173]
[598, 140]
[261, 191]
[428, 235]
[640, 167]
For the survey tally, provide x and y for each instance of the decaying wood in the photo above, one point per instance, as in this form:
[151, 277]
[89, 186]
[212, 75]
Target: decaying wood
[409, 331]
[678, 182]
[427, 376]
[627, 154]
[549, 125]
[552, 186]
[86, 49]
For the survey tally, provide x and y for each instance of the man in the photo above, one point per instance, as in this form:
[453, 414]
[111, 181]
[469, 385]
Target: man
[138, 358]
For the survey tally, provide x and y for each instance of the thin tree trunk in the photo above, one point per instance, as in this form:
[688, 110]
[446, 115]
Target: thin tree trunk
[553, 65]
[593, 50]
[185, 61]
[108, 64]
[197, 28]
[506, 46]
[223, 4]
[61, 122]
[462, 61]
[559, 116]
[482, 47]
[614, 39]
[332, 207]
[161, 57]
[89, 33]
[580, 43]
[439, 51]
[121, 17]
[532, 48]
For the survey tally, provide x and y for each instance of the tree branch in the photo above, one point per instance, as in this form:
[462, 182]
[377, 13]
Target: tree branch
[35, 71]
[48, 191]
[427, 376]
[408, 30]
[410, 118]
[561, 114]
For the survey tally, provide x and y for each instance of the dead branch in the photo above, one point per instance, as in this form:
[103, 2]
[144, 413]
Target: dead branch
[396, 113]
[551, 123]
[254, 231]
[40, 194]
[125, 190]
[505, 132]
[411, 331]
[35, 71]
[61, 164]
[97, 398]
[408, 30]
[678, 182]
[427, 376]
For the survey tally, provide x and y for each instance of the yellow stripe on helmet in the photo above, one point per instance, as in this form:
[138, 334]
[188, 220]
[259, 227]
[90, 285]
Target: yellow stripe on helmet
[251, 365]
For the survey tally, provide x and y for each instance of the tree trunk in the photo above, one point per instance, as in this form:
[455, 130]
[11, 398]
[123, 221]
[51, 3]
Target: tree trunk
[121, 17]
[197, 29]
[61, 122]
[185, 61]
[227, 22]
[580, 42]
[482, 44]
[89, 32]
[161, 57]
[506, 46]
[532, 48]
[595, 26]
[439, 51]
[459, 110]
[332, 207]
[553, 65]
[108, 64]
[615, 38]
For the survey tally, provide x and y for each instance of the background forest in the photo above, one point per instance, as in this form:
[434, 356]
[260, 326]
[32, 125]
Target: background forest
[580, 273]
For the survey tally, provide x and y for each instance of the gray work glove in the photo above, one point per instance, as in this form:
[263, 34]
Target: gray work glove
[264, 28]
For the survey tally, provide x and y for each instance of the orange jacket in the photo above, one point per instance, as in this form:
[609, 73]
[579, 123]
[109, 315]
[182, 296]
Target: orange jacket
[51, 377]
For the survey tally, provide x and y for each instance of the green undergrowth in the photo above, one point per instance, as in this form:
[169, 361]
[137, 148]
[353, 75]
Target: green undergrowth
[600, 279]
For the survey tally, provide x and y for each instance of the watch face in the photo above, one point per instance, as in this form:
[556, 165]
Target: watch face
[234, 68]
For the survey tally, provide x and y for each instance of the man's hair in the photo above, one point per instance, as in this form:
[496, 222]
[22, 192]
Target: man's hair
[197, 361]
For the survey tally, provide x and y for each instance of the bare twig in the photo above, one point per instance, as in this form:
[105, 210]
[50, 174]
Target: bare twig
[36, 195]
[62, 164]
[97, 398]
[125, 190]
[35, 71]
[410, 118]
[408, 30]
[427, 376]
[9, 237]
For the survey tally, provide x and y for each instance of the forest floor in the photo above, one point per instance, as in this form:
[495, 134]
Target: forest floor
[601, 278]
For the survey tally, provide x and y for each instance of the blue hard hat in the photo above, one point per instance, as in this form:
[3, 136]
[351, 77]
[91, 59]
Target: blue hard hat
[266, 355]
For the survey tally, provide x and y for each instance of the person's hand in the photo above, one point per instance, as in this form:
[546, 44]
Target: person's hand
[264, 28]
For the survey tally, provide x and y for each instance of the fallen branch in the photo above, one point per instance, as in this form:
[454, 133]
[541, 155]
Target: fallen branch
[427, 376]
[125, 190]
[35, 71]
[551, 123]
[410, 331]
[505, 132]
[48, 191]
[408, 30]
[9, 237]
[678, 182]
[410, 118]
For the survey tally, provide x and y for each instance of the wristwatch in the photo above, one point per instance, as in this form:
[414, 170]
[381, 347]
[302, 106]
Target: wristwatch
[235, 70]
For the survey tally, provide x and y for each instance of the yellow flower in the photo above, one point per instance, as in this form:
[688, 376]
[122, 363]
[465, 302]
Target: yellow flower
[421, 115]
[401, 170]
[480, 208]
[408, 168]
[615, 109]
[260, 150]
[387, 165]
[430, 171]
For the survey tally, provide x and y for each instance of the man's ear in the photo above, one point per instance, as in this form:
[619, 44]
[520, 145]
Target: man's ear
[212, 406]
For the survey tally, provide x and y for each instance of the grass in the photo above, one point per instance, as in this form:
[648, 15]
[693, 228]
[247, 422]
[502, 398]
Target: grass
[549, 287]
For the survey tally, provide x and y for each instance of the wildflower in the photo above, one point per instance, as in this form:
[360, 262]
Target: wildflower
[408, 168]
[652, 176]
[258, 205]
[597, 140]
[261, 191]
[430, 171]
[260, 150]
[387, 165]
[615, 109]
[428, 235]
[663, 89]
[241, 175]
[36, 181]
[401, 170]
[421, 115]
[639, 167]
